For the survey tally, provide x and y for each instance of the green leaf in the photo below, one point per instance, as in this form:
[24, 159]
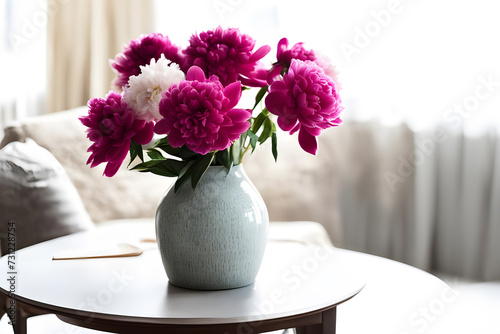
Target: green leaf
[224, 158]
[236, 151]
[174, 166]
[186, 153]
[184, 175]
[162, 141]
[274, 148]
[173, 151]
[159, 170]
[180, 152]
[165, 146]
[267, 131]
[259, 96]
[135, 151]
[146, 165]
[164, 167]
[155, 154]
[253, 140]
[200, 167]
[168, 167]
[259, 120]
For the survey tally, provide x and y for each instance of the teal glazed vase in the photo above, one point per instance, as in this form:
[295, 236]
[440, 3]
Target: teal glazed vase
[213, 237]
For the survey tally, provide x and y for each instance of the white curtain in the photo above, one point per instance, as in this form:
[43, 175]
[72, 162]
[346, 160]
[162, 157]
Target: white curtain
[376, 196]
[467, 202]
[430, 199]
[82, 36]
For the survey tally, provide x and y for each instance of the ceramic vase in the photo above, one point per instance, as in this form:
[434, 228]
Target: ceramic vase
[213, 237]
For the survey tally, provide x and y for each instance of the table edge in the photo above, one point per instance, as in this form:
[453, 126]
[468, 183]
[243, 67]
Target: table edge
[82, 314]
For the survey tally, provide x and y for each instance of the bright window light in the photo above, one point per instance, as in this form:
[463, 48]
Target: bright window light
[399, 60]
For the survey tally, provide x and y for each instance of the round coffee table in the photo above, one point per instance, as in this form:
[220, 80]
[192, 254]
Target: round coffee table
[299, 285]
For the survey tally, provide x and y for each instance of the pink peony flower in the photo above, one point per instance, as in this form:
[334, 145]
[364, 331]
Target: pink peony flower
[139, 52]
[227, 54]
[305, 100]
[111, 127]
[285, 55]
[198, 113]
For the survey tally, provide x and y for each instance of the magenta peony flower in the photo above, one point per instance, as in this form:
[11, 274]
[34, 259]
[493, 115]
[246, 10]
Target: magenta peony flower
[199, 113]
[284, 55]
[305, 100]
[111, 127]
[139, 52]
[227, 54]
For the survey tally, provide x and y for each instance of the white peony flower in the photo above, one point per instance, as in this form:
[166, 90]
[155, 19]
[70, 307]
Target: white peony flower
[143, 92]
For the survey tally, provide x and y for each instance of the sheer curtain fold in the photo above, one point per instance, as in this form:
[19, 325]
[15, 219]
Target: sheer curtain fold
[457, 212]
[477, 176]
[82, 36]
[376, 217]
[426, 197]
[467, 220]
[443, 216]
[491, 246]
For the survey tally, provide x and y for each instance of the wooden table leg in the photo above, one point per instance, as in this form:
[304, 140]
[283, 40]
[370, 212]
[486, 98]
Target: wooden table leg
[16, 316]
[327, 326]
[3, 305]
[18, 313]
[20, 324]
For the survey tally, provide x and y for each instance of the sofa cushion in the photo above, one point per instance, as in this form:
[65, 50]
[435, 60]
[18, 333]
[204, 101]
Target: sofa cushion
[37, 199]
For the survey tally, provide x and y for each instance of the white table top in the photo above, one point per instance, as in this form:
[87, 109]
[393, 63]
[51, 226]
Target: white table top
[294, 279]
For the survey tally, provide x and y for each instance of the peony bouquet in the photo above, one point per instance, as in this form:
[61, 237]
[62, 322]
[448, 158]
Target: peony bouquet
[190, 99]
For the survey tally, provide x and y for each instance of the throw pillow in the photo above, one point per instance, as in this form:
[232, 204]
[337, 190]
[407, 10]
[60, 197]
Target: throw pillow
[38, 202]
